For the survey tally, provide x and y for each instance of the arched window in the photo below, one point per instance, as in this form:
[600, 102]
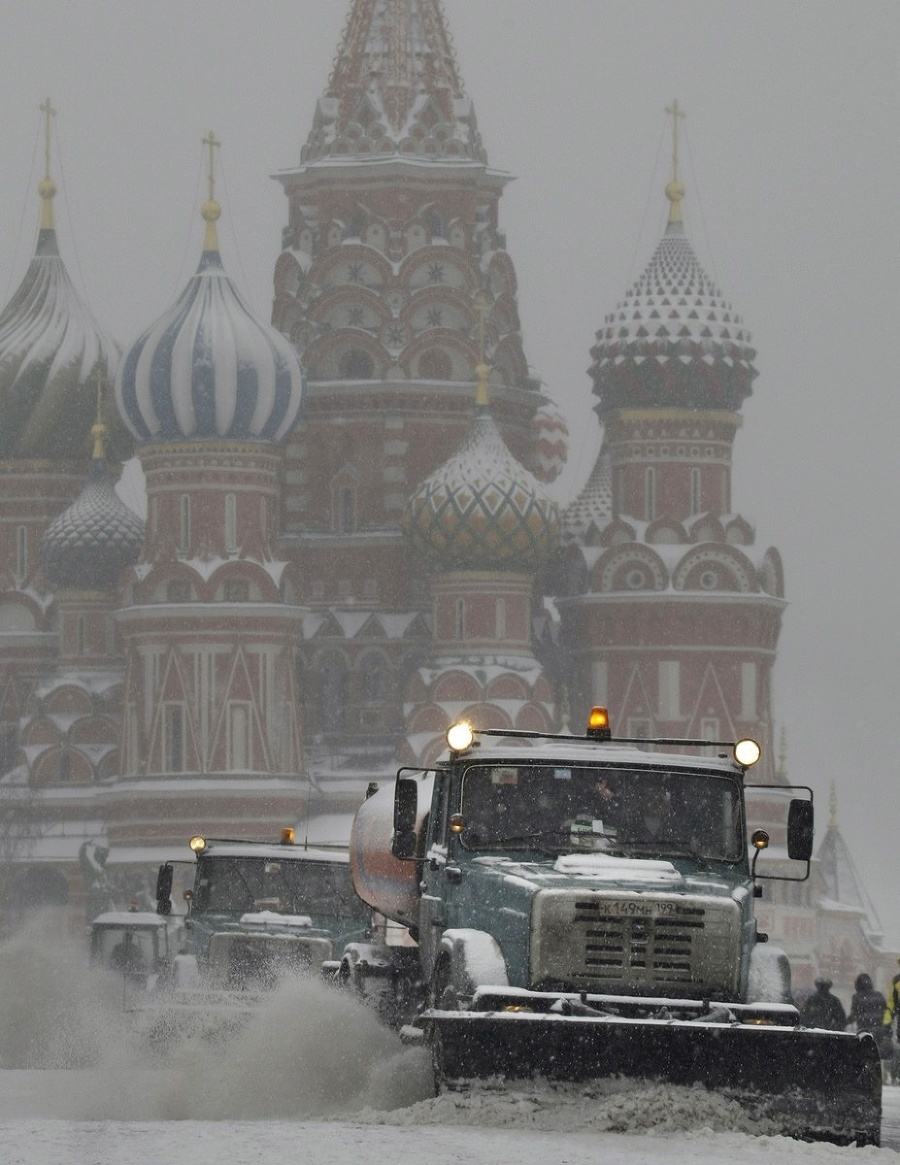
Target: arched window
[79, 636]
[435, 364]
[460, 631]
[500, 618]
[355, 364]
[230, 524]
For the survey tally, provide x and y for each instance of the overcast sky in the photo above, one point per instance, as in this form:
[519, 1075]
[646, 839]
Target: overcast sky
[791, 158]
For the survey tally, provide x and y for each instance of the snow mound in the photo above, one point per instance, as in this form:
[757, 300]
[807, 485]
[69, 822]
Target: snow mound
[614, 1106]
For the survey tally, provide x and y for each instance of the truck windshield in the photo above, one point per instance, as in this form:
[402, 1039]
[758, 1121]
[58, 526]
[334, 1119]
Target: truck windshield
[237, 885]
[637, 812]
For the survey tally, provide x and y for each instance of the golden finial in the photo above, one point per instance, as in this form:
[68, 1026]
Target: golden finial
[675, 188]
[98, 429]
[482, 368]
[211, 209]
[47, 187]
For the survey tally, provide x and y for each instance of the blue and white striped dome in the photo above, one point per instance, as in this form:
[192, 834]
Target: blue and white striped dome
[209, 370]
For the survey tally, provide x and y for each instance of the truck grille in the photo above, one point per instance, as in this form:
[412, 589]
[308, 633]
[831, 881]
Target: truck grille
[243, 960]
[636, 944]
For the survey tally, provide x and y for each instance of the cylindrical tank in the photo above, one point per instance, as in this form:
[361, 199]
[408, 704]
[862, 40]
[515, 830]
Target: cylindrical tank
[387, 884]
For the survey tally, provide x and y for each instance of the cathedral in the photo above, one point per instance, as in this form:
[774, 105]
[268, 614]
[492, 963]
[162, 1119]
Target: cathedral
[350, 535]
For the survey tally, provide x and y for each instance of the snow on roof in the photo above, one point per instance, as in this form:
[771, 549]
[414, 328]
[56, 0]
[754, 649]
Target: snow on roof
[140, 918]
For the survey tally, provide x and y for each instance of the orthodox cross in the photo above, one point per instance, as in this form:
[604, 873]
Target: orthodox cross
[676, 112]
[210, 141]
[48, 111]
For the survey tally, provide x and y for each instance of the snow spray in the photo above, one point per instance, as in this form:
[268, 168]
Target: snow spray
[309, 1050]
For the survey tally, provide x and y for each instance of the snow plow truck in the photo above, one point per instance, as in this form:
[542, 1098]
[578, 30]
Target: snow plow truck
[583, 907]
[257, 912]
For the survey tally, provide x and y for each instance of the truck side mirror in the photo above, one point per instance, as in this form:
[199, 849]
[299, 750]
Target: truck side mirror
[800, 830]
[406, 808]
[164, 889]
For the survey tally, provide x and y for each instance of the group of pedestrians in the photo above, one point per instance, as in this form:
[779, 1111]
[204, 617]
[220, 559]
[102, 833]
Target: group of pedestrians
[870, 1011]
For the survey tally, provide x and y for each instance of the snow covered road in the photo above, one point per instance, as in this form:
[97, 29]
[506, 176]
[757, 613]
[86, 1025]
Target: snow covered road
[314, 1077]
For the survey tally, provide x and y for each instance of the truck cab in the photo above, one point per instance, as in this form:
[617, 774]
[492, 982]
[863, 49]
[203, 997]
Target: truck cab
[562, 863]
[260, 910]
[138, 944]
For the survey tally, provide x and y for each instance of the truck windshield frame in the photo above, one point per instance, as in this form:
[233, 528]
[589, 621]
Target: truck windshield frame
[240, 885]
[623, 810]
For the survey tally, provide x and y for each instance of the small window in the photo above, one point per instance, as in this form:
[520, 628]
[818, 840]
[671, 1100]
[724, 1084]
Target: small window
[346, 509]
[22, 551]
[650, 494]
[173, 738]
[460, 630]
[239, 736]
[230, 524]
[695, 491]
[184, 530]
[178, 590]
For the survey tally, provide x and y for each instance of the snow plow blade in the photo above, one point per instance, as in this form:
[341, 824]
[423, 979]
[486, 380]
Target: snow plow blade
[811, 1084]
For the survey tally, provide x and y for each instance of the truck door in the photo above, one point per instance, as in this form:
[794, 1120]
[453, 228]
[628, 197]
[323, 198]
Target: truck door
[440, 877]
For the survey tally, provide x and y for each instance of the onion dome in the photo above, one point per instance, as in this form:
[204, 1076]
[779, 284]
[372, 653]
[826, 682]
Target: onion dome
[552, 441]
[51, 352]
[89, 544]
[674, 341]
[395, 89]
[208, 369]
[593, 506]
[482, 510]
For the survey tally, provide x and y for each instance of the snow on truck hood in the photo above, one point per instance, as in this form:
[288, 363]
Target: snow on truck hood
[606, 867]
[269, 918]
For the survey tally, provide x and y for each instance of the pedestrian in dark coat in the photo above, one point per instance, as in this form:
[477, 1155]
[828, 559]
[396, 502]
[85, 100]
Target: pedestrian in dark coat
[823, 1009]
[867, 1008]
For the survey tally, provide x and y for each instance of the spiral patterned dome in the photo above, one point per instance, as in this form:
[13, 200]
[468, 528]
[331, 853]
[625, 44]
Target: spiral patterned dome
[51, 352]
[208, 369]
[482, 510]
[674, 341]
[88, 545]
